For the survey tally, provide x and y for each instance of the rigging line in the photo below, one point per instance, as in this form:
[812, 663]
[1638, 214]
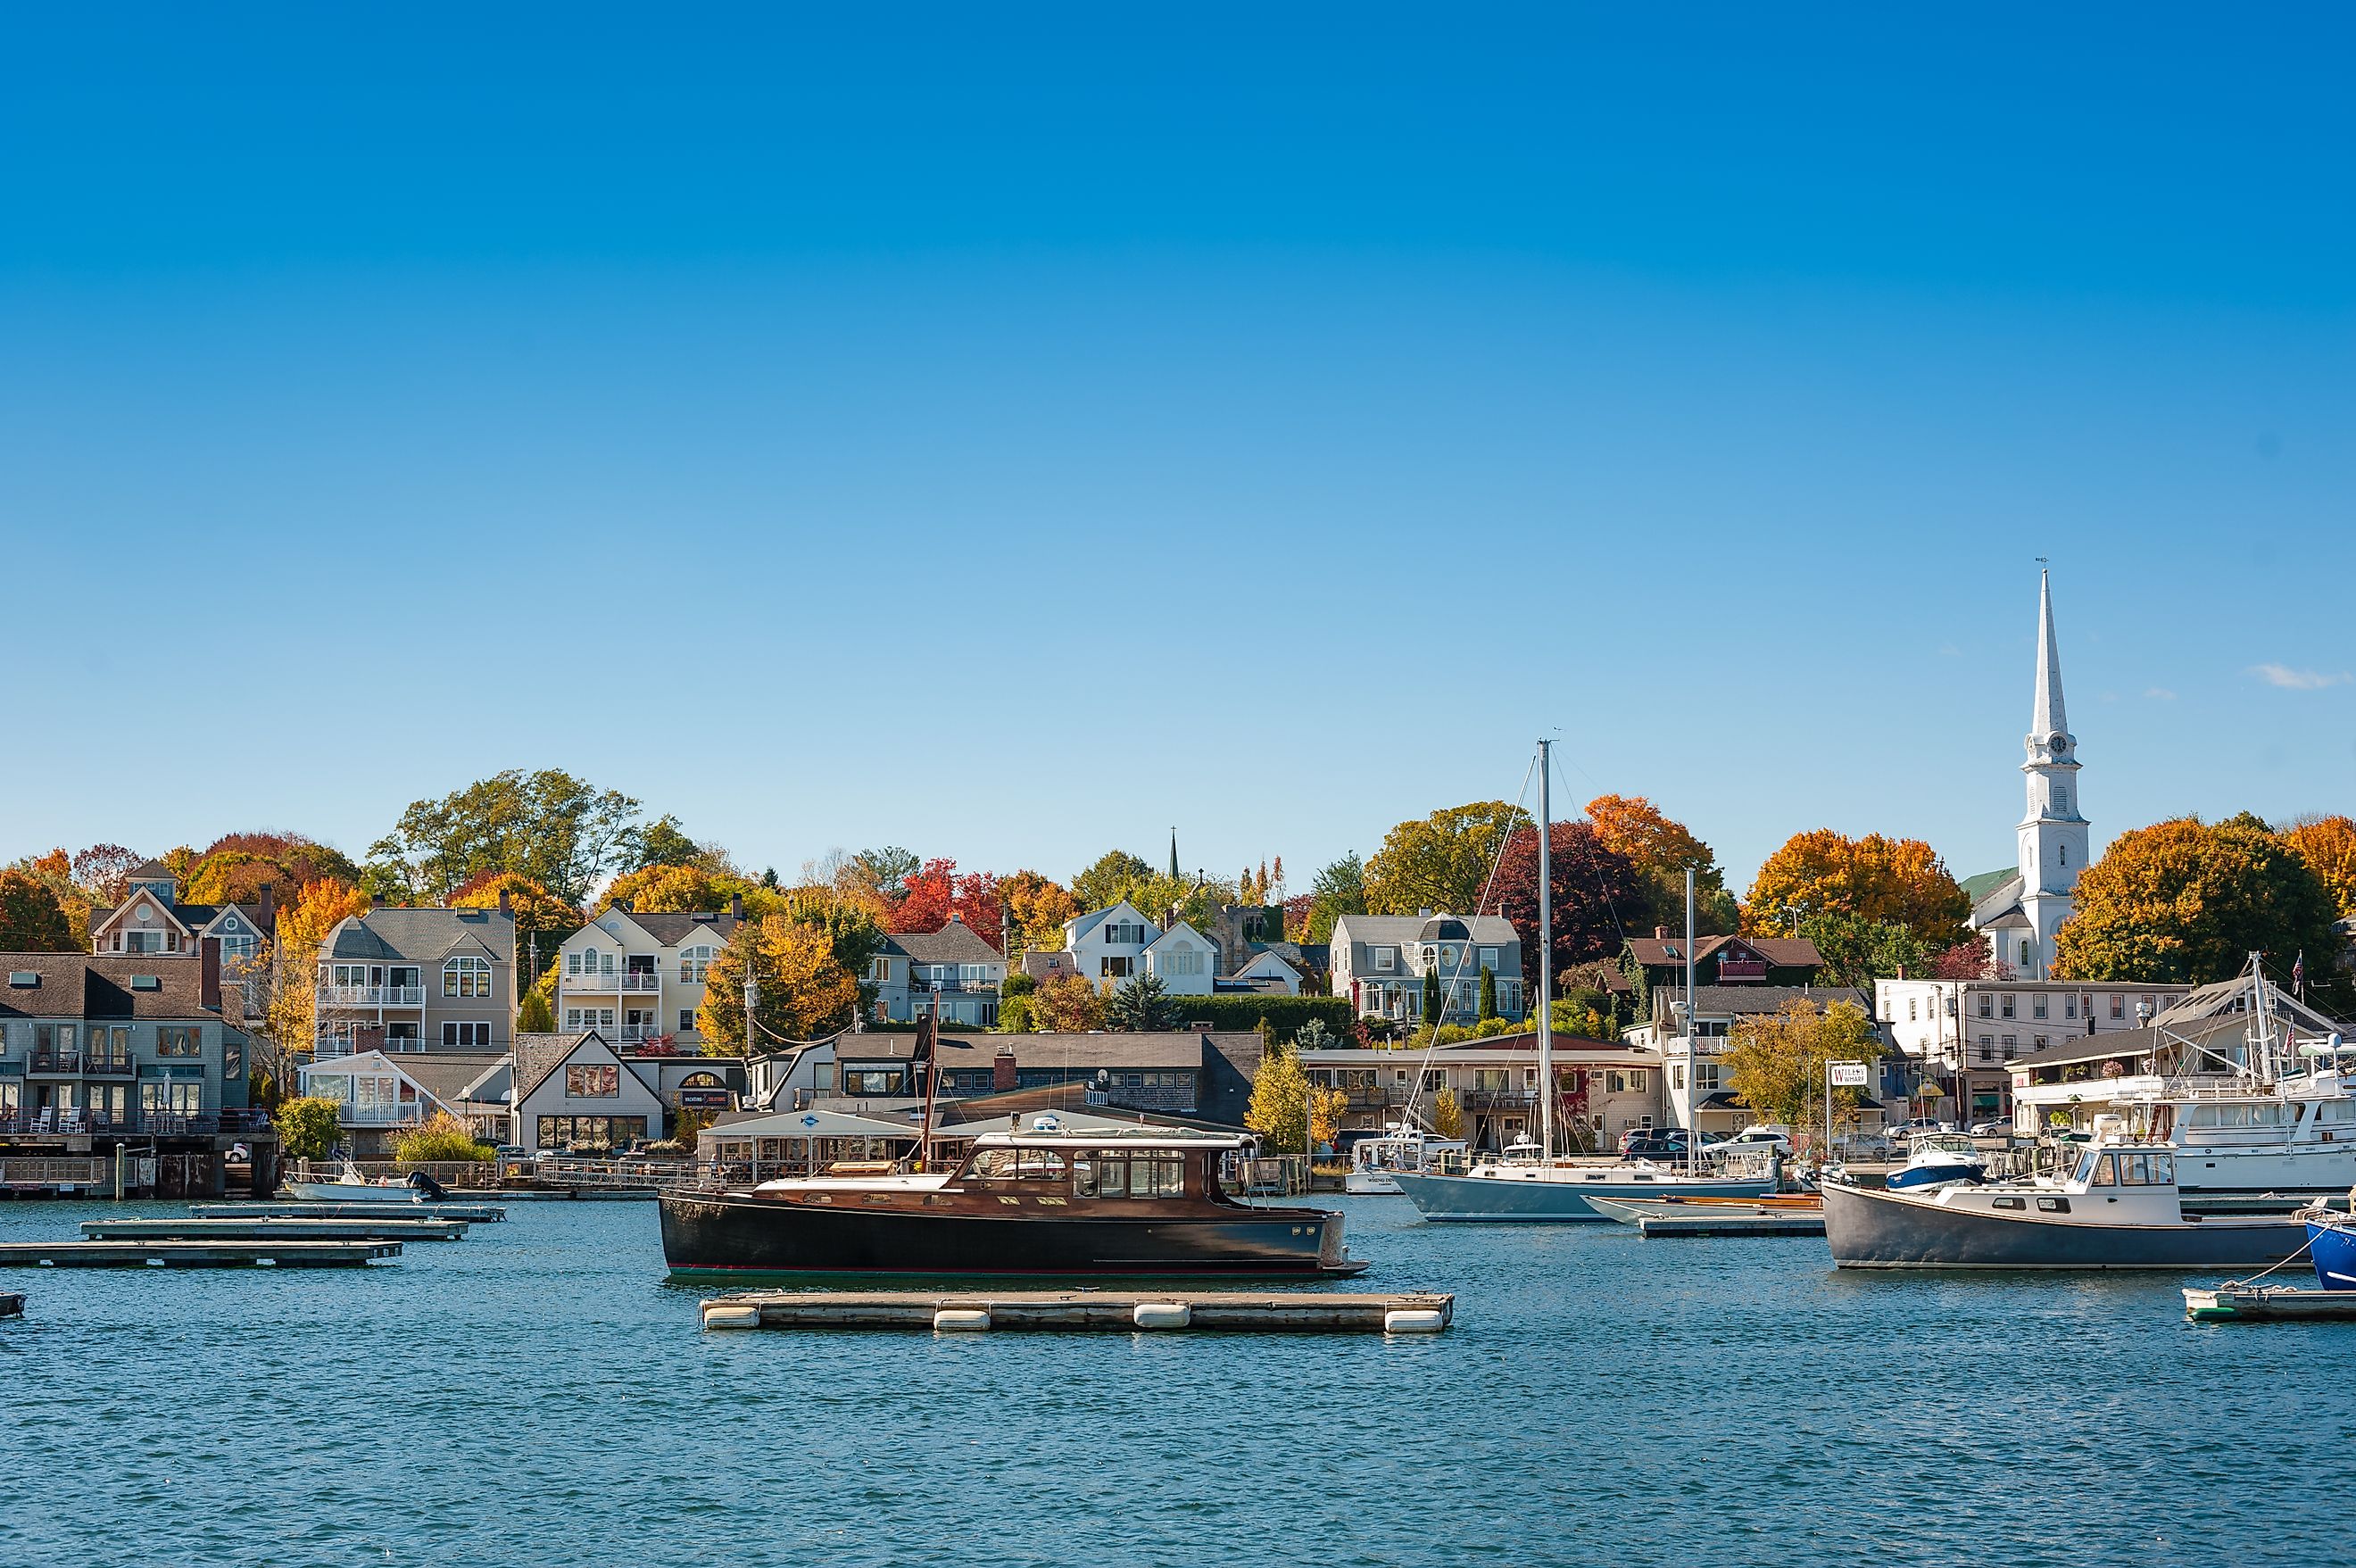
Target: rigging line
[1618, 928]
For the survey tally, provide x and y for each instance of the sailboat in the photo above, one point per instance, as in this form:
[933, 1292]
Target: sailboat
[1528, 1183]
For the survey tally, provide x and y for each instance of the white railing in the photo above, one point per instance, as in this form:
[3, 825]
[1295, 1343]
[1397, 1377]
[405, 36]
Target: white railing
[372, 995]
[379, 1115]
[643, 980]
[646, 980]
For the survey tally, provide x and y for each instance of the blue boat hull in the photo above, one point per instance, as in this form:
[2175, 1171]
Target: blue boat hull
[1510, 1200]
[2332, 1249]
[1908, 1178]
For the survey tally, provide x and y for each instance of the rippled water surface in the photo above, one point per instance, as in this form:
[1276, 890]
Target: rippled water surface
[536, 1394]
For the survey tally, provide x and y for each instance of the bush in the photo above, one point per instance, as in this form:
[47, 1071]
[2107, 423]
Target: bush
[443, 1139]
[308, 1128]
[1240, 1011]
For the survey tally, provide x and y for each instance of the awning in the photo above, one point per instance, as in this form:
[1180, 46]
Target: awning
[807, 1124]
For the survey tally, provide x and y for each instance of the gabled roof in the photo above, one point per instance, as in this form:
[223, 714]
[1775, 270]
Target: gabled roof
[1780, 952]
[1264, 958]
[422, 934]
[445, 1075]
[1999, 899]
[1187, 927]
[187, 916]
[674, 930]
[1079, 926]
[151, 871]
[1175, 1048]
[546, 1059]
[953, 943]
[1740, 999]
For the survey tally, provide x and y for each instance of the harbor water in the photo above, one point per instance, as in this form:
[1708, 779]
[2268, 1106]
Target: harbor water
[537, 1394]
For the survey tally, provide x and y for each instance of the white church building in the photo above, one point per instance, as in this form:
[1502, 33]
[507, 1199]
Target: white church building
[2020, 911]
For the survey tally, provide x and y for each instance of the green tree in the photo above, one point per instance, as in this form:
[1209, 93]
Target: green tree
[308, 1128]
[54, 871]
[661, 842]
[884, 872]
[2187, 901]
[1441, 862]
[1339, 889]
[1857, 951]
[549, 826]
[537, 1016]
[1139, 1006]
[1488, 993]
[1106, 881]
[1775, 1061]
[31, 919]
[1284, 1110]
[1434, 1002]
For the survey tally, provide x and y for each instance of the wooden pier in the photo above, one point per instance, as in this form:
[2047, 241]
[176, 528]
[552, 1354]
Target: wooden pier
[194, 1255]
[275, 1228]
[1120, 1311]
[477, 1213]
[2262, 1304]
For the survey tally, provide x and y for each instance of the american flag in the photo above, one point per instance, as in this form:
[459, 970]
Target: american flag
[2299, 972]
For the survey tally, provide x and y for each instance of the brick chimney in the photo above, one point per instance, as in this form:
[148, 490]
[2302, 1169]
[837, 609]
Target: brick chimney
[269, 912]
[507, 906]
[1660, 933]
[376, 900]
[208, 974]
[1002, 1071]
[736, 906]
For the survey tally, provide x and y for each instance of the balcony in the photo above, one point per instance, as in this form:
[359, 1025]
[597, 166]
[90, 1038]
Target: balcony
[372, 996]
[1733, 970]
[970, 987]
[161, 1123]
[636, 981]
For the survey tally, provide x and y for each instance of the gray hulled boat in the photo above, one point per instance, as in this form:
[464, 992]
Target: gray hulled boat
[2117, 1209]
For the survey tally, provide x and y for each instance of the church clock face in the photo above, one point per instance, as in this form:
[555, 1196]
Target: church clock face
[2058, 741]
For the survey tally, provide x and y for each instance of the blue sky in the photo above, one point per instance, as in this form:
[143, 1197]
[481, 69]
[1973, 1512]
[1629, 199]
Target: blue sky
[1008, 432]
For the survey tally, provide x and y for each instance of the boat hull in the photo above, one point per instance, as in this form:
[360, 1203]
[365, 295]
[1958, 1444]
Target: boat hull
[349, 1192]
[2224, 1171]
[2332, 1249]
[1528, 1201]
[738, 1234]
[1370, 1184]
[1871, 1230]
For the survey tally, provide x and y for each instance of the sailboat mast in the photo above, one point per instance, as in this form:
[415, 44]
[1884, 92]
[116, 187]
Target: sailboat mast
[1546, 952]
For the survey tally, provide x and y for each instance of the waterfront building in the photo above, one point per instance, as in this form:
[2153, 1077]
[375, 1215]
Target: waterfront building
[152, 919]
[380, 1095]
[2020, 911]
[1380, 961]
[1968, 1033]
[1606, 1087]
[1697, 1094]
[1107, 946]
[578, 1091]
[951, 975]
[131, 1051]
[638, 977]
[401, 978]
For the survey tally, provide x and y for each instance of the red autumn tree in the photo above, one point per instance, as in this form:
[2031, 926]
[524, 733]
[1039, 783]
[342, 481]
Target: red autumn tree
[103, 870]
[1595, 891]
[925, 905]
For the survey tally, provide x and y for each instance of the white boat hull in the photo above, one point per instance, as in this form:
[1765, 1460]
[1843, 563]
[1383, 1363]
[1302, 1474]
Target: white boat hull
[2248, 1172]
[349, 1192]
[1559, 1196]
[1370, 1184]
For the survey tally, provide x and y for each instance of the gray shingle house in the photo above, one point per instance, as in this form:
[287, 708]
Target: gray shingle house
[1380, 961]
[406, 979]
[951, 975]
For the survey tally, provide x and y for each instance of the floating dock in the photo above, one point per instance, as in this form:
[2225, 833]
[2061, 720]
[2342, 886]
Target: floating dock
[478, 1213]
[2261, 1304]
[193, 1254]
[1121, 1311]
[269, 1227]
[1655, 1218]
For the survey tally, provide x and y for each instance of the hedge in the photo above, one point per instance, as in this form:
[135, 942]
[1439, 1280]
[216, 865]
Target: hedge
[1285, 1014]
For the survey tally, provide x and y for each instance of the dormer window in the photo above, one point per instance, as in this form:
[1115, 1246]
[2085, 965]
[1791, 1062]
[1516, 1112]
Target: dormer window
[467, 977]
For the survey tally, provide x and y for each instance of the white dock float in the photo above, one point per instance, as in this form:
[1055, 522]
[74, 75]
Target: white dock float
[1271, 1312]
[2262, 1304]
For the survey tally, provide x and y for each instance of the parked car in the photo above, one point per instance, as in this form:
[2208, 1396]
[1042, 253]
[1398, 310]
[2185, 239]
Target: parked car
[1761, 1137]
[1923, 1125]
[1989, 1129]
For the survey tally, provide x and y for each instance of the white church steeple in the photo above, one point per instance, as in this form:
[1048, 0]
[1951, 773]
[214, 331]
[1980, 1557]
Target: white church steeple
[2054, 836]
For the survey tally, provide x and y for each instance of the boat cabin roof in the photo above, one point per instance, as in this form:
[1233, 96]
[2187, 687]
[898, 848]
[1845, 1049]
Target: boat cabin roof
[1150, 1139]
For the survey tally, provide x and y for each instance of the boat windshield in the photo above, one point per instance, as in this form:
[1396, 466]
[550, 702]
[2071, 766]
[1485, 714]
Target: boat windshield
[1018, 1165]
[2127, 1167]
[1121, 1173]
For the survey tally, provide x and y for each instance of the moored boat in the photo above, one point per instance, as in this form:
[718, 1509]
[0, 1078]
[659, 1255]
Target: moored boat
[351, 1186]
[1375, 1162]
[2331, 1246]
[2118, 1209]
[1138, 1201]
[1936, 1160]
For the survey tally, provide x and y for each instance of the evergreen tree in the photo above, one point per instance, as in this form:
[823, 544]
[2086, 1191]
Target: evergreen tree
[1488, 993]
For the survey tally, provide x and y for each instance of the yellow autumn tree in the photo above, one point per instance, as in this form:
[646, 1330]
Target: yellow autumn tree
[542, 920]
[285, 982]
[1039, 905]
[2327, 844]
[1286, 1110]
[1899, 881]
[803, 991]
[1775, 1061]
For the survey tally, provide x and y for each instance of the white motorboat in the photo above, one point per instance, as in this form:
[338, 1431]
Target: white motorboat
[1377, 1163]
[1521, 1188]
[351, 1186]
[1936, 1160]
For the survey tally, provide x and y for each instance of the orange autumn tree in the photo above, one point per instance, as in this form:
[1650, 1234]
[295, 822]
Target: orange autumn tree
[2327, 844]
[1662, 850]
[284, 983]
[803, 993]
[1040, 906]
[1900, 882]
